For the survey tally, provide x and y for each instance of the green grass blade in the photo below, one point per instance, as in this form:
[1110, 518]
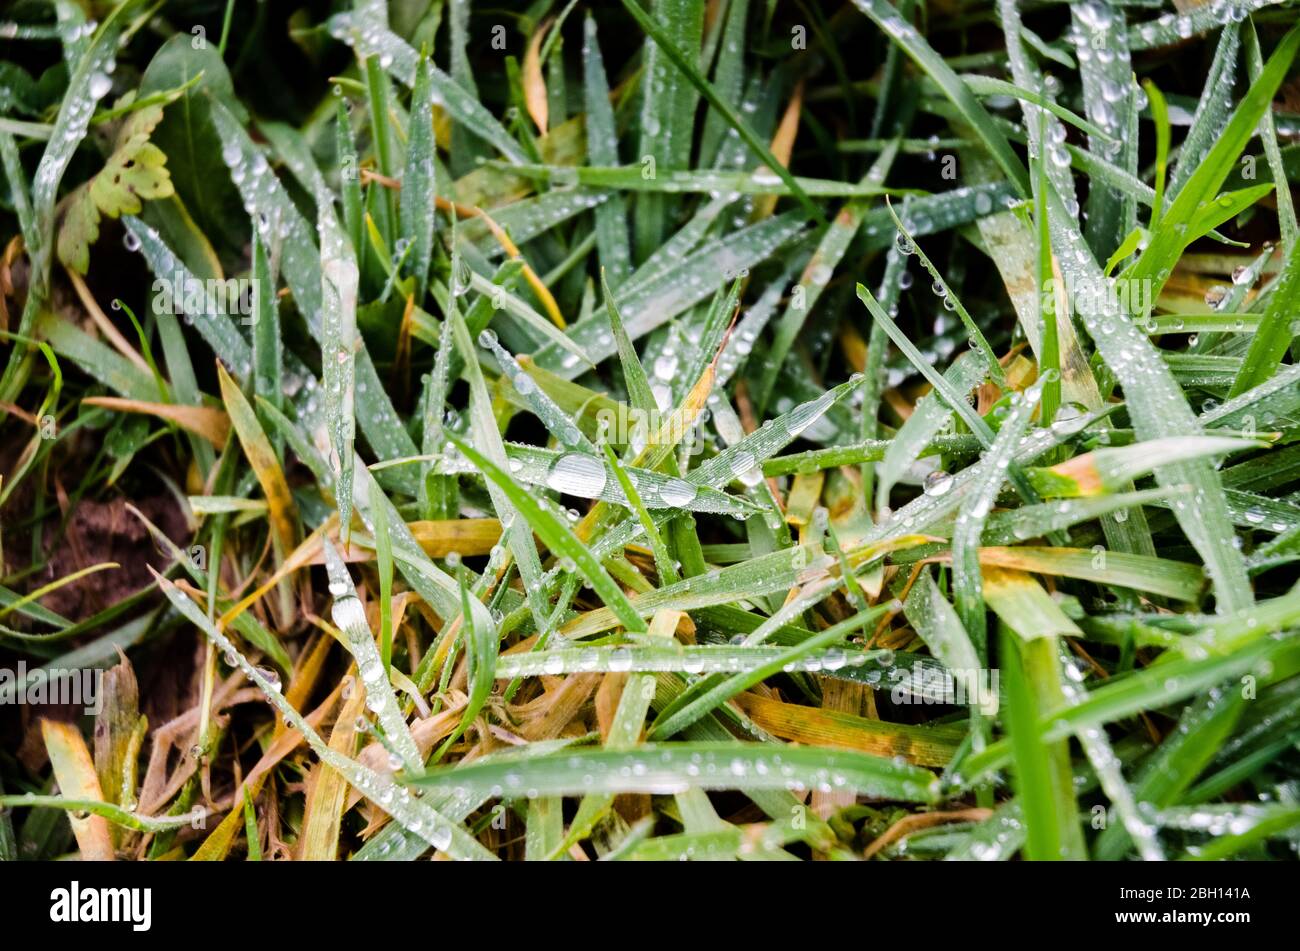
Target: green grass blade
[559, 538]
[667, 44]
[923, 54]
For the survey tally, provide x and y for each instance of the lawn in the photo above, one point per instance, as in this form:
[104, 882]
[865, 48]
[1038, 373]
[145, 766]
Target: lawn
[649, 430]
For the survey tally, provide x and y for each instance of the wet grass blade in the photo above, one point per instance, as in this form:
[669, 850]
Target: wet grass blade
[670, 768]
[559, 538]
[923, 54]
[1042, 770]
[692, 705]
[1169, 239]
[270, 475]
[1268, 345]
[638, 386]
[682, 61]
[1158, 407]
[484, 429]
[418, 182]
[993, 470]
[602, 149]
[417, 817]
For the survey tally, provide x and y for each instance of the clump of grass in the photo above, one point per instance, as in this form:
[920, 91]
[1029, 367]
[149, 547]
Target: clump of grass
[738, 431]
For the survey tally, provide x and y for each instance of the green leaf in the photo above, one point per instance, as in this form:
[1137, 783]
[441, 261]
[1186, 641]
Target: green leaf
[190, 140]
[80, 229]
[135, 171]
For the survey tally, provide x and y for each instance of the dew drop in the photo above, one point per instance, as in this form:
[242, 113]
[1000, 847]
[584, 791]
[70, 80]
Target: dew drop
[937, 483]
[100, 85]
[577, 474]
[677, 493]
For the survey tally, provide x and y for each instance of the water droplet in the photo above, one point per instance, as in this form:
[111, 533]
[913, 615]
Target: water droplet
[937, 483]
[665, 366]
[803, 416]
[1069, 419]
[100, 85]
[577, 474]
[677, 493]
[440, 837]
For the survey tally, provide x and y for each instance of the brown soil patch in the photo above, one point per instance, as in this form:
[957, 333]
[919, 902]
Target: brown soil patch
[106, 531]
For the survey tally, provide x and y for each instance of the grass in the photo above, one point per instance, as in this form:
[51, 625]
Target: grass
[651, 430]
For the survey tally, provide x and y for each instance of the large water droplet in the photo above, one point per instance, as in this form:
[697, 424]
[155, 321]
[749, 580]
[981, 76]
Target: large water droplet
[100, 85]
[804, 416]
[677, 493]
[937, 483]
[1069, 419]
[577, 474]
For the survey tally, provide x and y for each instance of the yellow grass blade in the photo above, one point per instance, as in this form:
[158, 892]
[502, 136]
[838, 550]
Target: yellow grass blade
[207, 422]
[74, 771]
[262, 458]
[922, 745]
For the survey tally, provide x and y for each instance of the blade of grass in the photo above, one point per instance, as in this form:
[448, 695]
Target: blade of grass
[665, 42]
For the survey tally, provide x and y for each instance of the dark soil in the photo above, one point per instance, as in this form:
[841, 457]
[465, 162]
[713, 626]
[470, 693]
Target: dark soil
[105, 531]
